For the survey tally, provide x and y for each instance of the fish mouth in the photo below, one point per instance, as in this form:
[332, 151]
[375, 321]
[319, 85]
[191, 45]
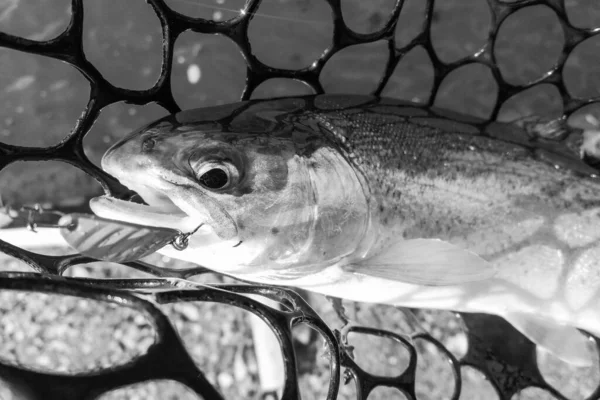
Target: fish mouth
[159, 211]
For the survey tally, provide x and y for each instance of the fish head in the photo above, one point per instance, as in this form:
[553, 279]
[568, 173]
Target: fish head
[268, 196]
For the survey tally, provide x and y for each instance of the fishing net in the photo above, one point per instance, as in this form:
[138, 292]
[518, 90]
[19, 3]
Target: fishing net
[508, 360]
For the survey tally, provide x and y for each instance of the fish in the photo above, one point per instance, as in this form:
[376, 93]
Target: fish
[377, 200]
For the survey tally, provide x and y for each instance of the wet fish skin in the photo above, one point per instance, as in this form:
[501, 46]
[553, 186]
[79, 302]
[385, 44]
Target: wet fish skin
[363, 193]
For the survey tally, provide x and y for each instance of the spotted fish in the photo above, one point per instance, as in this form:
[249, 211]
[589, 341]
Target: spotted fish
[377, 200]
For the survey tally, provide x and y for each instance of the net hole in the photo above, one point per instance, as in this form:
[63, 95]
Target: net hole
[532, 37]
[293, 36]
[279, 87]
[571, 381]
[356, 69]
[16, 390]
[541, 100]
[35, 19]
[41, 98]
[38, 331]
[447, 327]
[367, 16]
[216, 10]
[459, 28]
[475, 386]
[386, 393]
[412, 78]
[470, 90]
[220, 340]
[155, 389]
[583, 13]
[123, 41]
[582, 69]
[533, 393]
[105, 270]
[410, 22]
[379, 355]
[48, 182]
[207, 70]
[435, 377]
[12, 264]
[312, 362]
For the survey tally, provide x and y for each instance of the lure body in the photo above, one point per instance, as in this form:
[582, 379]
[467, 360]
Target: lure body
[113, 240]
[377, 200]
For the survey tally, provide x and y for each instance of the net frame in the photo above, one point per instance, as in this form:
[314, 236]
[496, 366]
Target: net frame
[486, 351]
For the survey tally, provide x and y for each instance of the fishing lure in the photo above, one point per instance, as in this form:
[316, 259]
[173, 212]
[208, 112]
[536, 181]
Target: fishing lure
[115, 241]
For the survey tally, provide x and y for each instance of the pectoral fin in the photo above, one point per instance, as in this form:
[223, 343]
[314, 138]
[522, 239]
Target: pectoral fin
[563, 341]
[430, 262]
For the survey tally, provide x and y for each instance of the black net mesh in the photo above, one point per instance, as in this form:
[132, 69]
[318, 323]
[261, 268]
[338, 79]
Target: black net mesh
[506, 358]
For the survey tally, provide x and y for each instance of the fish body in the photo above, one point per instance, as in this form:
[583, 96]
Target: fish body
[377, 200]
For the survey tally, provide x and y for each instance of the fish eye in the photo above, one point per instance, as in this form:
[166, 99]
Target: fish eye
[148, 145]
[215, 178]
[215, 173]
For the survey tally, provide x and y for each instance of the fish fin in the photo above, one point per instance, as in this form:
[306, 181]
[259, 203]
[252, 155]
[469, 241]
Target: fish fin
[430, 262]
[563, 341]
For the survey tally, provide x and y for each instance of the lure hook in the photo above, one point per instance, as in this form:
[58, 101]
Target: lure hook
[31, 214]
[181, 241]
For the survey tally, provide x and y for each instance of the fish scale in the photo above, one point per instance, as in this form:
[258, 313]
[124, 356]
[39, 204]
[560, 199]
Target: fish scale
[413, 145]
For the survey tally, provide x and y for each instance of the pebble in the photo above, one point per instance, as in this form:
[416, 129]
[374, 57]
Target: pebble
[225, 380]
[190, 311]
